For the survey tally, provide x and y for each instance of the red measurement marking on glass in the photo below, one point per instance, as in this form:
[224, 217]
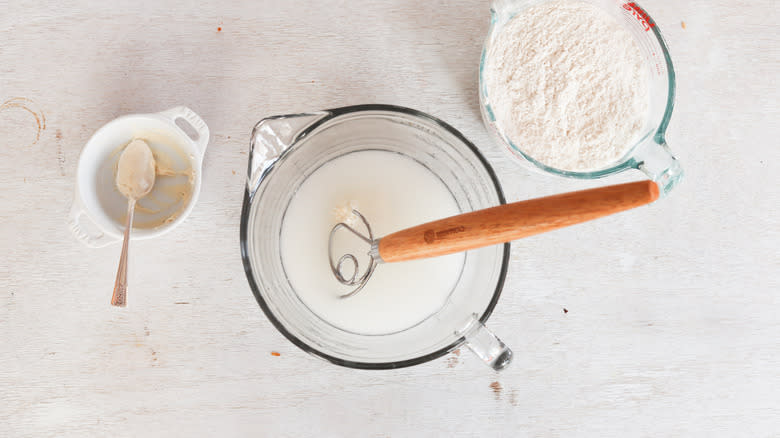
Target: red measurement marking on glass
[640, 15]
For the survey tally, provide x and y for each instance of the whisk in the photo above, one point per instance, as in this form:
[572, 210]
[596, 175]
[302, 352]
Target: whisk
[483, 228]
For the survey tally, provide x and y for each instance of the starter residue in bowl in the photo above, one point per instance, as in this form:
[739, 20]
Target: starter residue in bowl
[175, 190]
[172, 189]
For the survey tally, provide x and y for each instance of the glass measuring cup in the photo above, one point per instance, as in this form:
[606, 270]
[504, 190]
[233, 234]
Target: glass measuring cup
[650, 153]
[285, 150]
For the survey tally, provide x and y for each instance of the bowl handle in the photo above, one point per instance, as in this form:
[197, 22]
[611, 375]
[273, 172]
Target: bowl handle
[197, 124]
[487, 346]
[271, 137]
[91, 235]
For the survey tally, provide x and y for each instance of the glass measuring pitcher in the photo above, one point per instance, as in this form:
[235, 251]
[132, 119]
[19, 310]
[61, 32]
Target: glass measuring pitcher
[286, 150]
[650, 154]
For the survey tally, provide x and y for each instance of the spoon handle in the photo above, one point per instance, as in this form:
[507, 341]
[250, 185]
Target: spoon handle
[513, 221]
[119, 298]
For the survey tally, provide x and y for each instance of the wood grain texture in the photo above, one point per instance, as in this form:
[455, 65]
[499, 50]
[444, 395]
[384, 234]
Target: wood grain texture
[513, 221]
[672, 326]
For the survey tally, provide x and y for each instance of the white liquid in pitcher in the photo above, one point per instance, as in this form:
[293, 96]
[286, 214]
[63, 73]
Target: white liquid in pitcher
[393, 192]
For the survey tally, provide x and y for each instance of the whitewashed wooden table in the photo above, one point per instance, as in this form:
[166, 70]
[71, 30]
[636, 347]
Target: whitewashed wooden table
[673, 325]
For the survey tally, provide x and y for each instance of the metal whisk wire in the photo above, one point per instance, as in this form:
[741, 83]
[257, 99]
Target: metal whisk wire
[337, 265]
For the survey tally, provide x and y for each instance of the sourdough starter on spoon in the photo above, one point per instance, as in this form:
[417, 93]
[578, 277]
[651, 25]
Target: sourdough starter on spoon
[134, 179]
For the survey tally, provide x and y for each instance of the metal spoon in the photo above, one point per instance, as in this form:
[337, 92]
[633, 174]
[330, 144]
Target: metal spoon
[134, 179]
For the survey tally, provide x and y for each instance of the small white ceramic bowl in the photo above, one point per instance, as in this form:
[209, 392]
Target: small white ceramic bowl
[98, 212]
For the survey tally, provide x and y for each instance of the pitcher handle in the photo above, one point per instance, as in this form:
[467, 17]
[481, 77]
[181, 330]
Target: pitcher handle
[660, 165]
[487, 346]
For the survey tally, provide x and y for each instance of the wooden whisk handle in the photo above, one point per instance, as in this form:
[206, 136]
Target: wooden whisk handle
[513, 221]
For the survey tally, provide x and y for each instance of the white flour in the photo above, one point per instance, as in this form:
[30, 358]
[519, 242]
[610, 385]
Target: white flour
[568, 85]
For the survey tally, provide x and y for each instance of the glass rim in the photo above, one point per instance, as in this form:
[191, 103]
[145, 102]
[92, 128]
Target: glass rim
[331, 115]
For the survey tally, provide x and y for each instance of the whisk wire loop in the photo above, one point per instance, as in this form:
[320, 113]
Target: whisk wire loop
[337, 265]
